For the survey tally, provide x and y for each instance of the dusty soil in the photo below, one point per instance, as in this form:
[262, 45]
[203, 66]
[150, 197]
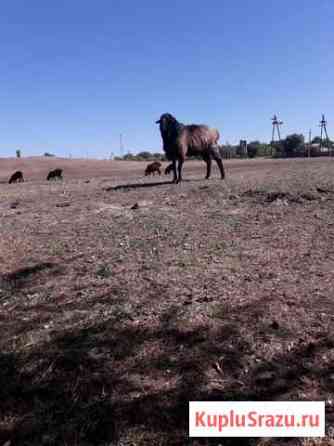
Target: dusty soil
[124, 297]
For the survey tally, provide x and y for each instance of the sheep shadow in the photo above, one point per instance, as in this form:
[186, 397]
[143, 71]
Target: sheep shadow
[131, 186]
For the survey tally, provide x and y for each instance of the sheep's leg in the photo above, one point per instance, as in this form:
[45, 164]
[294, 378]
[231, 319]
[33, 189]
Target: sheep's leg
[174, 171]
[217, 157]
[179, 179]
[208, 167]
[208, 161]
[221, 167]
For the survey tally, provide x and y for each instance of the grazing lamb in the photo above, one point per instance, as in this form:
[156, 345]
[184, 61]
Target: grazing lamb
[181, 140]
[56, 174]
[153, 168]
[16, 177]
[169, 169]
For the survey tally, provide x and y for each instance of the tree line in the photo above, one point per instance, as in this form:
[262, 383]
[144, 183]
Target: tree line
[293, 145]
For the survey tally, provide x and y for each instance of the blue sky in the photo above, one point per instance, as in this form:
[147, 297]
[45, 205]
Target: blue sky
[75, 74]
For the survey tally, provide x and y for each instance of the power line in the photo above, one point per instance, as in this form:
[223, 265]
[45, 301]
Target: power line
[276, 126]
[323, 130]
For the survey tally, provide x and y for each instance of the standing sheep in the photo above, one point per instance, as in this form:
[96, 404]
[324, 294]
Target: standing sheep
[181, 140]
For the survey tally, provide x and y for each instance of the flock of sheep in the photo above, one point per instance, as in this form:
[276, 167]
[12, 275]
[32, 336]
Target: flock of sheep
[154, 168]
[179, 141]
[17, 177]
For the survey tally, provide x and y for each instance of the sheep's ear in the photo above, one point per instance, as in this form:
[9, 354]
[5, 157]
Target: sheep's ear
[158, 122]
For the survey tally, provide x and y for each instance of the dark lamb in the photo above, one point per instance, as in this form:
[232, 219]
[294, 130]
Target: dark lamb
[56, 174]
[17, 177]
[152, 168]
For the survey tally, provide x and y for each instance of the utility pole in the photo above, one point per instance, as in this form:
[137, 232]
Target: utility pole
[323, 130]
[309, 143]
[276, 126]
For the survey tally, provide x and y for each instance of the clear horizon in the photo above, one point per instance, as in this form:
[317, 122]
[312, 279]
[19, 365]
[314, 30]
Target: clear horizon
[76, 76]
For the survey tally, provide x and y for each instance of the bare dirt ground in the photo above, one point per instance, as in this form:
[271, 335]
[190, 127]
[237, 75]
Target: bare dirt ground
[114, 316]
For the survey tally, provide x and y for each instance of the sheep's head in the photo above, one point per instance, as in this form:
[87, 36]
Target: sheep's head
[166, 120]
[169, 127]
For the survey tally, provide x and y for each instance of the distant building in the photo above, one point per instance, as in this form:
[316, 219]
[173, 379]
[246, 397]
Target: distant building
[242, 148]
[318, 150]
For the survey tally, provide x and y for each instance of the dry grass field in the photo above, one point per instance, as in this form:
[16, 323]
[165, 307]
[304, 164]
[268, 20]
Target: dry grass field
[124, 297]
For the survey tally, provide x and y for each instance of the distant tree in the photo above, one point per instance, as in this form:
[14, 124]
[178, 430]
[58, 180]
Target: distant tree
[263, 149]
[277, 149]
[48, 154]
[159, 156]
[18, 153]
[293, 144]
[144, 155]
[253, 148]
[129, 157]
[316, 140]
[257, 148]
